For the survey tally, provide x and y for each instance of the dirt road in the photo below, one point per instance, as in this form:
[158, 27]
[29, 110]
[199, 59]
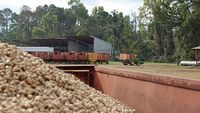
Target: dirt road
[161, 69]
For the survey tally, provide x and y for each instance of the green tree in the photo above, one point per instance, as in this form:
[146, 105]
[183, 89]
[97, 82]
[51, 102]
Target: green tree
[69, 23]
[100, 23]
[50, 24]
[38, 32]
[38, 13]
[81, 15]
[5, 20]
[26, 19]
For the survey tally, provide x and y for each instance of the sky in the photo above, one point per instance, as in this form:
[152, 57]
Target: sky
[125, 6]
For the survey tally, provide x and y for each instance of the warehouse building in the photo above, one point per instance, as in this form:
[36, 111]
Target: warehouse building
[74, 43]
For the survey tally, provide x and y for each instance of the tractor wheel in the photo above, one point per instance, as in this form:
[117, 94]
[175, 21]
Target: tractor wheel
[126, 62]
[132, 64]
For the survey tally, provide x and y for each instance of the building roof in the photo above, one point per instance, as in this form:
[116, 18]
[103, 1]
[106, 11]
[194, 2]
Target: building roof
[100, 39]
[85, 40]
[198, 47]
[50, 42]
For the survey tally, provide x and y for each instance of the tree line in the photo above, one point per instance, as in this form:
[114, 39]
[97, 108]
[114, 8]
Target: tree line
[168, 29]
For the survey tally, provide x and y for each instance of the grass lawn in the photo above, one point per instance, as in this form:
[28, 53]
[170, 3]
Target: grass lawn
[165, 69]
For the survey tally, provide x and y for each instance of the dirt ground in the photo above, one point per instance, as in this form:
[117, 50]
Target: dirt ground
[161, 69]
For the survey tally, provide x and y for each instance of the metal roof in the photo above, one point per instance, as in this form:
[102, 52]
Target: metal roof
[49, 42]
[198, 47]
[85, 40]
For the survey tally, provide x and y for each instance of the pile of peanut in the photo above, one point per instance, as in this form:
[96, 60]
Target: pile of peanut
[28, 85]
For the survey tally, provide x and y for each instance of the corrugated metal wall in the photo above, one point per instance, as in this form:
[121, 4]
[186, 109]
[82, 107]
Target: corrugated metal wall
[101, 46]
[74, 46]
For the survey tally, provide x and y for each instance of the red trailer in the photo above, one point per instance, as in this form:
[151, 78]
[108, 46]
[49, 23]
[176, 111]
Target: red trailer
[73, 57]
[44, 55]
[70, 57]
[82, 57]
[34, 54]
[103, 57]
[57, 56]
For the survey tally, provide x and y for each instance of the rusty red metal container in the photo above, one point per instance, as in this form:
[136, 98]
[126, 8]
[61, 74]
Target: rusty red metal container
[70, 56]
[34, 53]
[57, 56]
[132, 56]
[82, 56]
[149, 93]
[44, 55]
[105, 57]
[99, 56]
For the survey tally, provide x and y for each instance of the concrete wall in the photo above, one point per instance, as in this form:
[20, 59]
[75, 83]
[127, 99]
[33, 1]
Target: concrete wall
[149, 93]
[101, 46]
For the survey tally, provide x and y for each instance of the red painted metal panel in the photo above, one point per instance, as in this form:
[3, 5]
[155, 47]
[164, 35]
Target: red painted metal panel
[106, 57]
[103, 57]
[149, 93]
[34, 54]
[70, 56]
[44, 55]
[99, 56]
[57, 56]
[82, 56]
[132, 56]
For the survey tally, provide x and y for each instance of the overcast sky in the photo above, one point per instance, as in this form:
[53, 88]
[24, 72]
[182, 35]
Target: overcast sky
[125, 6]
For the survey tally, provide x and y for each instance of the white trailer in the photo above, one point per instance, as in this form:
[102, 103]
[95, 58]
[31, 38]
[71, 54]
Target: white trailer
[37, 49]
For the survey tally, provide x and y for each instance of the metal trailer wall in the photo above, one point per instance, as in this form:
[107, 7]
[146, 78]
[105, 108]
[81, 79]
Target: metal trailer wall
[101, 46]
[149, 93]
